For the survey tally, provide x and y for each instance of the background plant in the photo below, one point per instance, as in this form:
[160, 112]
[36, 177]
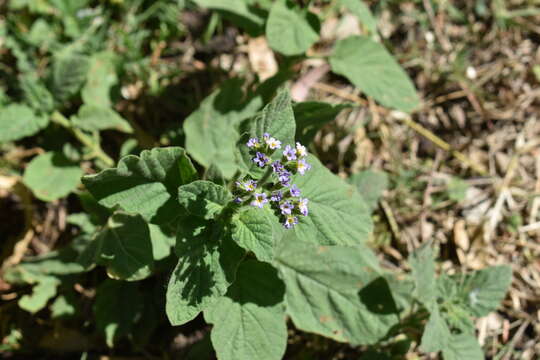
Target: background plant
[81, 87]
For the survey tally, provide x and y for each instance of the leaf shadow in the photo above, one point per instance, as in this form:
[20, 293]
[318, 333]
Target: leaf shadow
[378, 297]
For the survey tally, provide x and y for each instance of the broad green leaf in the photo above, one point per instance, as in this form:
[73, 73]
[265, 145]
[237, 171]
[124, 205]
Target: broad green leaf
[276, 119]
[288, 29]
[18, 121]
[258, 231]
[41, 34]
[422, 263]
[206, 267]
[337, 213]
[336, 291]
[145, 185]
[436, 334]
[117, 306]
[211, 136]
[311, 116]
[124, 247]
[51, 176]
[370, 185]
[36, 94]
[362, 11]
[101, 77]
[97, 118]
[249, 322]
[69, 73]
[41, 294]
[369, 66]
[203, 198]
[463, 347]
[483, 290]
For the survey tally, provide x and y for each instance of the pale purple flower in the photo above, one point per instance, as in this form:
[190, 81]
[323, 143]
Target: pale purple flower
[238, 200]
[266, 136]
[301, 150]
[277, 166]
[260, 159]
[290, 221]
[302, 166]
[289, 153]
[286, 208]
[284, 178]
[273, 143]
[302, 206]
[295, 191]
[253, 143]
[249, 185]
[260, 200]
[276, 196]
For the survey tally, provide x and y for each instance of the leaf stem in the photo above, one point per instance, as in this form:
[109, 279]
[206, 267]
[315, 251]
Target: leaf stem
[83, 138]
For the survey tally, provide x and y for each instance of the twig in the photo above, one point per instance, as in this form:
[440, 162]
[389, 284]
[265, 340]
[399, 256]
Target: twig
[83, 138]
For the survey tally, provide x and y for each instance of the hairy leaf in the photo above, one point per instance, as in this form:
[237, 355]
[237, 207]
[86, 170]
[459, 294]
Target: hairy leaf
[249, 322]
[97, 118]
[370, 185]
[311, 116]
[337, 213]
[288, 29]
[362, 11]
[336, 291]
[203, 198]
[69, 73]
[369, 66]
[18, 121]
[101, 77]
[463, 347]
[422, 263]
[145, 185]
[436, 334]
[51, 176]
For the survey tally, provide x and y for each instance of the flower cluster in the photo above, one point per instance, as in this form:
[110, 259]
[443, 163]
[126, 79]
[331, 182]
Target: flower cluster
[275, 188]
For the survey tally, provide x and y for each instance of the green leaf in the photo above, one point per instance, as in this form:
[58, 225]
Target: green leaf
[18, 121]
[117, 307]
[206, 268]
[463, 347]
[41, 294]
[257, 231]
[249, 322]
[369, 66]
[336, 291]
[162, 241]
[422, 263]
[483, 290]
[311, 116]
[337, 213]
[362, 11]
[370, 185]
[51, 176]
[203, 198]
[64, 305]
[289, 30]
[124, 247]
[101, 77]
[97, 118]
[36, 94]
[243, 13]
[436, 334]
[457, 189]
[145, 185]
[69, 73]
[211, 136]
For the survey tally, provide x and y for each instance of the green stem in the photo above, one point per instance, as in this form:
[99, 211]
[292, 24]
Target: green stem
[265, 177]
[83, 138]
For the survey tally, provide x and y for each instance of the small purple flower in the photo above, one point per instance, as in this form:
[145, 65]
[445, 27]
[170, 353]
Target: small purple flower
[277, 166]
[289, 153]
[276, 196]
[253, 143]
[248, 186]
[260, 200]
[295, 191]
[290, 221]
[266, 136]
[238, 200]
[301, 150]
[286, 208]
[302, 206]
[284, 178]
[260, 159]
[273, 143]
[302, 166]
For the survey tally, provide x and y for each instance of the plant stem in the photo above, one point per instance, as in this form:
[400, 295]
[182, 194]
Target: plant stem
[83, 138]
[265, 177]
